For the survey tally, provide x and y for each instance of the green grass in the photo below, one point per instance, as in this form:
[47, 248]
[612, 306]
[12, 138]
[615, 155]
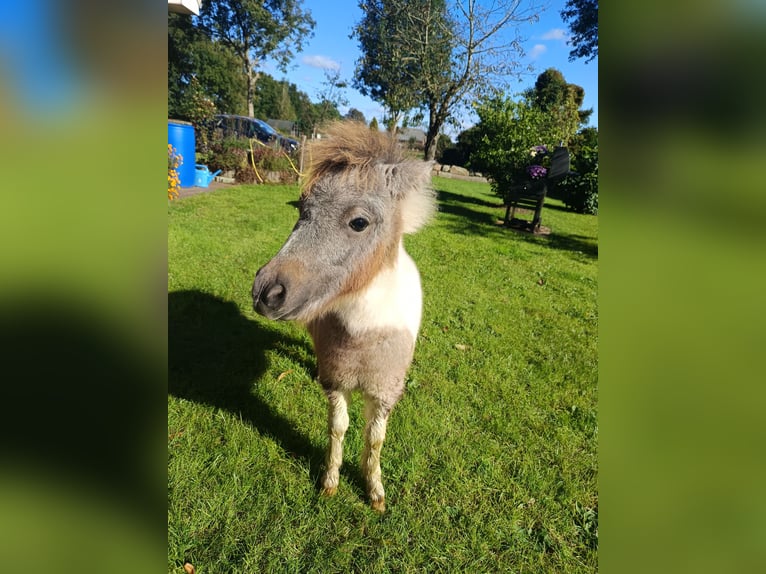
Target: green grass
[490, 459]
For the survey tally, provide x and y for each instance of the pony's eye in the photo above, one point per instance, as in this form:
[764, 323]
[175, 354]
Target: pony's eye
[359, 224]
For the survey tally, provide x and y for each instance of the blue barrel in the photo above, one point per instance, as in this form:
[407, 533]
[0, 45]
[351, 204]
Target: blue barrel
[181, 137]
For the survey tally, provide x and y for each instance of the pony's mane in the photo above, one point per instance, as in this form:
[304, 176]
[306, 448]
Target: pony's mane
[350, 147]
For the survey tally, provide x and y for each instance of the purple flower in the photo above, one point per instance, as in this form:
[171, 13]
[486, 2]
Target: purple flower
[536, 172]
[538, 150]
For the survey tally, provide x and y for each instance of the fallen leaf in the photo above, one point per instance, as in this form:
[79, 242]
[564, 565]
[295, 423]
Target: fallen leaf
[460, 347]
[283, 375]
[188, 568]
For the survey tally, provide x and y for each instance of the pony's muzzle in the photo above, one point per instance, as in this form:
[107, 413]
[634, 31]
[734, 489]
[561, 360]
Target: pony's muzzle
[269, 294]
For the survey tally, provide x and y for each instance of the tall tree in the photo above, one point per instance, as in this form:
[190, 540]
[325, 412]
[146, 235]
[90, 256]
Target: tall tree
[331, 97]
[266, 97]
[560, 102]
[256, 29]
[582, 16]
[285, 109]
[387, 66]
[445, 55]
[356, 115]
[191, 53]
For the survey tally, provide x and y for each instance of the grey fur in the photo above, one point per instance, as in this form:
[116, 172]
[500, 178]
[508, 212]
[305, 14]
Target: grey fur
[326, 263]
[375, 363]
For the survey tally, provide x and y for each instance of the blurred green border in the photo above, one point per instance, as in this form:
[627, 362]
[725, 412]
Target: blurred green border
[681, 287]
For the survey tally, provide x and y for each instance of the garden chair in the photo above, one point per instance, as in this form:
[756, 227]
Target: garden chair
[531, 194]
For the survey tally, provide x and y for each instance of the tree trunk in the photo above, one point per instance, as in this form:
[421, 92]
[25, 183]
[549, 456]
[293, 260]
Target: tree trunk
[430, 147]
[432, 139]
[250, 93]
[252, 79]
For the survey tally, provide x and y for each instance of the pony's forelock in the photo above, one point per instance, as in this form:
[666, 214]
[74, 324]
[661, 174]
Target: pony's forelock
[349, 148]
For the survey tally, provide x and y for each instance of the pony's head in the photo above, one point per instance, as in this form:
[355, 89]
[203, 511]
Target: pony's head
[360, 196]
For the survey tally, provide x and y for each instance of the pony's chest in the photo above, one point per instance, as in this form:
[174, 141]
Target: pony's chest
[392, 301]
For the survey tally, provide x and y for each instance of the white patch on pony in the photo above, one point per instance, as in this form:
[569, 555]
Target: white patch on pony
[411, 181]
[393, 299]
[418, 207]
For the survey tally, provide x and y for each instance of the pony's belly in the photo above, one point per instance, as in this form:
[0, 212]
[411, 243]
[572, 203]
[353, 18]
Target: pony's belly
[374, 362]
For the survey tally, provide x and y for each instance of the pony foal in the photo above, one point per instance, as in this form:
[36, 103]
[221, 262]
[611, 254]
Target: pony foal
[343, 273]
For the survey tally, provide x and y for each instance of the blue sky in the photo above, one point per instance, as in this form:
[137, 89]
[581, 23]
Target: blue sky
[545, 47]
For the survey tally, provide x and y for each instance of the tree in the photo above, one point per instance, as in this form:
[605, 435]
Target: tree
[356, 116]
[192, 54]
[285, 109]
[273, 99]
[386, 67]
[266, 97]
[199, 109]
[374, 124]
[460, 152]
[508, 131]
[443, 56]
[303, 107]
[331, 97]
[253, 30]
[560, 102]
[582, 16]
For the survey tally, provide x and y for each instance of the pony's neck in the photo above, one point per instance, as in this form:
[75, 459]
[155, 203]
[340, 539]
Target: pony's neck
[393, 299]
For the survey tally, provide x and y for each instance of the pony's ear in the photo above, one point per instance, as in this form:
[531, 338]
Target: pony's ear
[401, 178]
[410, 182]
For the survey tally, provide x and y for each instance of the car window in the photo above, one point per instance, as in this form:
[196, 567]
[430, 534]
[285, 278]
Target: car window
[267, 128]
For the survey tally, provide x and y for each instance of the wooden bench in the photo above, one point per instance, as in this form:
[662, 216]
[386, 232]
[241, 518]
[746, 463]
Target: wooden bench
[530, 195]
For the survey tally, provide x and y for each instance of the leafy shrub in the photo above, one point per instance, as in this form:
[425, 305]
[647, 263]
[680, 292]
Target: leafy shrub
[580, 192]
[270, 158]
[227, 154]
[246, 174]
[198, 108]
[505, 140]
[234, 153]
[452, 155]
[266, 159]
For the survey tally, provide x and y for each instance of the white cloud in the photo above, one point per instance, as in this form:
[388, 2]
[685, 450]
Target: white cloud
[321, 62]
[537, 51]
[556, 34]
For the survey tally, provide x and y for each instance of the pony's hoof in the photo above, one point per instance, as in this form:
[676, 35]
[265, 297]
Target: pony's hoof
[329, 491]
[379, 505]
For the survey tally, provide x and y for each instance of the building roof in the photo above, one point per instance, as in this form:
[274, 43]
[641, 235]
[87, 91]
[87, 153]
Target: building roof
[406, 134]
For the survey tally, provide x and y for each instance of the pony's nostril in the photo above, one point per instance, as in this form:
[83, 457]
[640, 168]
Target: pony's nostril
[274, 296]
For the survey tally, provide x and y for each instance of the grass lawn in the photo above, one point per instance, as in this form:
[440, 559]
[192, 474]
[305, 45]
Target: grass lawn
[490, 458]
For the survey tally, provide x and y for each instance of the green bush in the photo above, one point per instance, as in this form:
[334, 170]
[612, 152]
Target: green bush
[270, 158]
[266, 159]
[580, 192]
[227, 154]
[234, 154]
[505, 139]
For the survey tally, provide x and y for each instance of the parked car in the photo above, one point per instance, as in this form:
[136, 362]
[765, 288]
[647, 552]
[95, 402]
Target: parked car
[288, 143]
[252, 128]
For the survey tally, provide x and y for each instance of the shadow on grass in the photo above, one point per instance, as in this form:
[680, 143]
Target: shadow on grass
[456, 197]
[576, 243]
[469, 221]
[216, 357]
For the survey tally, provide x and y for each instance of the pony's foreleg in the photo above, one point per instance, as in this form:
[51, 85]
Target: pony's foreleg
[376, 415]
[337, 424]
